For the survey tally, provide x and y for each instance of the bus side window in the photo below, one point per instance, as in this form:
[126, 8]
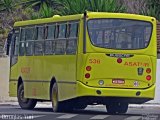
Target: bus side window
[8, 43]
[14, 47]
[22, 43]
[62, 31]
[39, 42]
[61, 40]
[30, 37]
[50, 32]
[16, 44]
[72, 38]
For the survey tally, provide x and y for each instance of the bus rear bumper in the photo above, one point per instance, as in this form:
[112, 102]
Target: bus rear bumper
[84, 90]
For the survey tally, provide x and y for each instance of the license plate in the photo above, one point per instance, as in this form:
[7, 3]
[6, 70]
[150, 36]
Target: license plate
[118, 81]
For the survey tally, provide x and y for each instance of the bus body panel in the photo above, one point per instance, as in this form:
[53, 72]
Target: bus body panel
[13, 81]
[84, 90]
[13, 88]
[130, 73]
[37, 84]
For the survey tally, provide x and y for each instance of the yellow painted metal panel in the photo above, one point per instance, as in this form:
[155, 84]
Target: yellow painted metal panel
[84, 90]
[48, 20]
[12, 88]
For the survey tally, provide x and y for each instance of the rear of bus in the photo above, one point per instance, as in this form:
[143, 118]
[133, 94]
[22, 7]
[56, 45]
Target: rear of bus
[119, 66]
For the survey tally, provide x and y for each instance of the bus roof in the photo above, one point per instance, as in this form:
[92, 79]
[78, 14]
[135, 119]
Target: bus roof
[57, 18]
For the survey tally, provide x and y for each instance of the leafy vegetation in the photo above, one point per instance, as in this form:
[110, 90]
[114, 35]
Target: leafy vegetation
[6, 5]
[42, 8]
[9, 13]
[106, 6]
[79, 6]
[73, 7]
[152, 9]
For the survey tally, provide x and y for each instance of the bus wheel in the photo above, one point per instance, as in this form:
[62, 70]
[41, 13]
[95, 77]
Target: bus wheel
[111, 108]
[117, 108]
[57, 106]
[25, 103]
[80, 106]
[123, 107]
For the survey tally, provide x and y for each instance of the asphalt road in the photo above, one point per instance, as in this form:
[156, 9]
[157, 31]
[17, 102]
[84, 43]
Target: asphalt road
[44, 112]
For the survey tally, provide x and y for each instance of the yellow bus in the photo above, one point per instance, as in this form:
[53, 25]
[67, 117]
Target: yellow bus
[85, 59]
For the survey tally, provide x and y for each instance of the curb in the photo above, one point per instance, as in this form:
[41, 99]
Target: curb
[15, 103]
[48, 104]
[146, 105]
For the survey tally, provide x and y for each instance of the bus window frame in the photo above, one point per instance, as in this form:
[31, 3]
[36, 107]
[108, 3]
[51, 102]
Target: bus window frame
[16, 41]
[49, 40]
[14, 45]
[120, 19]
[39, 41]
[20, 41]
[8, 42]
[60, 50]
[70, 38]
[27, 40]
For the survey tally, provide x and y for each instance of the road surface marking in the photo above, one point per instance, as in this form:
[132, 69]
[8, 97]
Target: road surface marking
[99, 117]
[67, 116]
[133, 118]
[37, 116]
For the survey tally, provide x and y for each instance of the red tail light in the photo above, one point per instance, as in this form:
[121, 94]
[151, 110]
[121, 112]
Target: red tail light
[87, 75]
[119, 60]
[148, 70]
[148, 77]
[88, 68]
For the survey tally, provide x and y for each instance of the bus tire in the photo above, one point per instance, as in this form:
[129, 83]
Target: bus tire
[56, 105]
[25, 103]
[80, 106]
[111, 108]
[117, 108]
[123, 107]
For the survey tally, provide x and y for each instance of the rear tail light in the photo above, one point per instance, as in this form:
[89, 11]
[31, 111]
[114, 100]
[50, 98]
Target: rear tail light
[88, 68]
[119, 60]
[148, 77]
[87, 75]
[148, 70]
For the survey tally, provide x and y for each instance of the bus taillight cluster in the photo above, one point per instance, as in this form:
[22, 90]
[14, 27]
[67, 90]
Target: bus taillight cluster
[88, 68]
[87, 75]
[148, 70]
[148, 77]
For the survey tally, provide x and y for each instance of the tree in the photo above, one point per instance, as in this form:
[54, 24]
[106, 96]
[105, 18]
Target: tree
[44, 12]
[105, 6]
[73, 7]
[7, 5]
[153, 9]
[134, 6]
[6, 8]
[42, 8]
[37, 4]
[79, 6]
[10, 12]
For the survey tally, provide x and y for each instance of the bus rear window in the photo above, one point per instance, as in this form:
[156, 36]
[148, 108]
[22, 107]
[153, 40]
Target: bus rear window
[123, 34]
